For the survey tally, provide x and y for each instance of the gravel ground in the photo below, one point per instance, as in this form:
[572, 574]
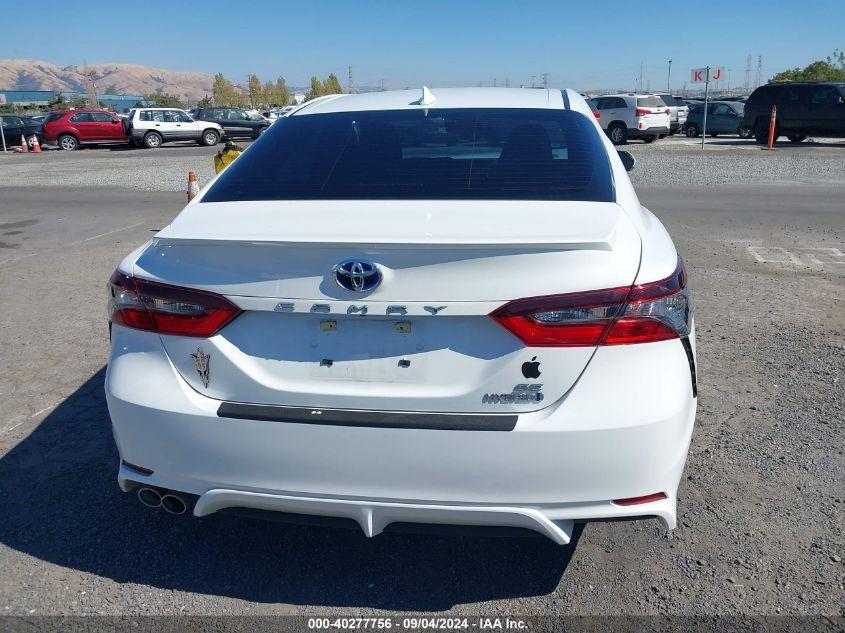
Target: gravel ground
[672, 161]
[762, 506]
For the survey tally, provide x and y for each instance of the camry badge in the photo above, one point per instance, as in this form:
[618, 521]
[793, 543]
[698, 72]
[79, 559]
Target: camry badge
[202, 360]
[357, 275]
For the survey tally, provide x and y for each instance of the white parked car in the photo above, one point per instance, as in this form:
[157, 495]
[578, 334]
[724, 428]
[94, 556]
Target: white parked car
[628, 116]
[447, 309]
[678, 111]
[150, 127]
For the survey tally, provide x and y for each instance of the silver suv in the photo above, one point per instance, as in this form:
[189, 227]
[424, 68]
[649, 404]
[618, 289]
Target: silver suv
[678, 111]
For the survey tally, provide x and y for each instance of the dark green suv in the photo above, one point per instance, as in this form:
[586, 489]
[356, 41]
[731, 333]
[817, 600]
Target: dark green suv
[803, 109]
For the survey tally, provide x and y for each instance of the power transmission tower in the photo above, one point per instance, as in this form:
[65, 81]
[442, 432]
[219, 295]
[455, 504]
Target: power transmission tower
[748, 74]
[640, 82]
[507, 83]
[759, 77]
[545, 80]
[381, 84]
[494, 82]
[350, 87]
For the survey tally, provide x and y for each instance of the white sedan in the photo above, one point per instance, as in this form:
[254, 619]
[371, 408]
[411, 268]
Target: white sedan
[442, 308]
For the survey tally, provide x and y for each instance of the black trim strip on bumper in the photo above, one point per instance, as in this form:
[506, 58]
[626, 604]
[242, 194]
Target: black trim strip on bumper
[691, 358]
[376, 419]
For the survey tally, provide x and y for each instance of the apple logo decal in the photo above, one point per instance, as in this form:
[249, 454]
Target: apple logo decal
[531, 369]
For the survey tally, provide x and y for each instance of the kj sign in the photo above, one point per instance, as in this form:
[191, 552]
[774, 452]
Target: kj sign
[699, 75]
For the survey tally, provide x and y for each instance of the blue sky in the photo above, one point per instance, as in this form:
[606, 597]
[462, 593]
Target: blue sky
[584, 44]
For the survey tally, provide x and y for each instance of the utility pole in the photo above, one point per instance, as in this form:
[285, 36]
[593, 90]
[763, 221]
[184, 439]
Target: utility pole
[668, 78]
[494, 82]
[545, 80]
[747, 74]
[350, 87]
[90, 87]
[640, 82]
[507, 83]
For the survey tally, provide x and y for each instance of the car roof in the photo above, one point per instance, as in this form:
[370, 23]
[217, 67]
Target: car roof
[442, 98]
[145, 108]
[631, 94]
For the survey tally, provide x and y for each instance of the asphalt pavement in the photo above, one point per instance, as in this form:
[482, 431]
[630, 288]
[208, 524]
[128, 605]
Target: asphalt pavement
[762, 506]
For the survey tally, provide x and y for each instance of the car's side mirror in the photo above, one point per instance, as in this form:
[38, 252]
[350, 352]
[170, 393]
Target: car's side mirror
[627, 159]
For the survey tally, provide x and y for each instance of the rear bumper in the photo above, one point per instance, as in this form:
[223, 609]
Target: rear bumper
[649, 131]
[622, 431]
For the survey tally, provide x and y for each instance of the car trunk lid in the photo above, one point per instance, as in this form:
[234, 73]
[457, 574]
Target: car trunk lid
[419, 341]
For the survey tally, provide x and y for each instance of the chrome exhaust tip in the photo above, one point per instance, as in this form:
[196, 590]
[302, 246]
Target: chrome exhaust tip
[150, 497]
[173, 504]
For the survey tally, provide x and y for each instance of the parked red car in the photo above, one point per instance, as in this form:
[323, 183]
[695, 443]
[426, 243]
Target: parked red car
[73, 128]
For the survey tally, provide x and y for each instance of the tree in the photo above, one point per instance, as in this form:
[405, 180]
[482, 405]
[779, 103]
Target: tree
[316, 88]
[832, 69]
[330, 86]
[164, 100]
[205, 102]
[254, 91]
[112, 89]
[58, 102]
[281, 94]
[225, 93]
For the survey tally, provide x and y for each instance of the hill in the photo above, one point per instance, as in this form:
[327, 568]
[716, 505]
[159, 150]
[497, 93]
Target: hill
[28, 74]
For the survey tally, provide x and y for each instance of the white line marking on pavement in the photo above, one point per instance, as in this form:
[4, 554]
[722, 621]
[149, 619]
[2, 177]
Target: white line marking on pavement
[95, 237]
[44, 410]
[82, 241]
[17, 259]
[20, 419]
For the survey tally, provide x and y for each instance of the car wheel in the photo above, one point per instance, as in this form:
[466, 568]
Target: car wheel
[68, 142]
[618, 134]
[796, 138]
[692, 130]
[744, 132]
[649, 139]
[152, 140]
[209, 138]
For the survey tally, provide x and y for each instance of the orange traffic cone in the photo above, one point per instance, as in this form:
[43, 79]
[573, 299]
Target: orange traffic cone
[36, 146]
[193, 187]
[24, 146]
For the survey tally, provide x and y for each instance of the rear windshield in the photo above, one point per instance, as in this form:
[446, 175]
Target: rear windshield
[669, 100]
[650, 102]
[516, 154]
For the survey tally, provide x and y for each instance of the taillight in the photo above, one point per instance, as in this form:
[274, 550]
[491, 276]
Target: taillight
[666, 111]
[642, 112]
[643, 313]
[634, 501]
[166, 309]
[597, 113]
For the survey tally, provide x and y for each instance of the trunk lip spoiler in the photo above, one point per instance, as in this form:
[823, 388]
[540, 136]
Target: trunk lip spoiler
[539, 243]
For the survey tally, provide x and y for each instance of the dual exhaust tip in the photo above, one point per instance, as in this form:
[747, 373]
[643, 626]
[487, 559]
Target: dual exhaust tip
[171, 502]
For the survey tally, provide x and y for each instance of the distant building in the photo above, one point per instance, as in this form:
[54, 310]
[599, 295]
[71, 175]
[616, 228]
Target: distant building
[299, 98]
[115, 103]
[25, 98]
[40, 98]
